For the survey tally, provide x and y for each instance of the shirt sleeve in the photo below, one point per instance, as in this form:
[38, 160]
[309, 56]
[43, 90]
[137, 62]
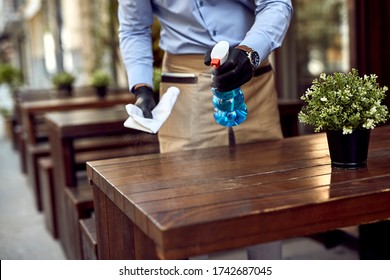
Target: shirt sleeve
[135, 19]
[270, 26]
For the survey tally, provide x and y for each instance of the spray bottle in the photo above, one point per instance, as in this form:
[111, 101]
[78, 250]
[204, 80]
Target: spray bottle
[229, 107]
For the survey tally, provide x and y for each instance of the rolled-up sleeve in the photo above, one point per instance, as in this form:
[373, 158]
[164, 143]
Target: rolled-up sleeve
[135, 19]
[269, 29]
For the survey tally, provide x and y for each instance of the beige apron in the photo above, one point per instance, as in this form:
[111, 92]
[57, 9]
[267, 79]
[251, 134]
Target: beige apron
[191, 124]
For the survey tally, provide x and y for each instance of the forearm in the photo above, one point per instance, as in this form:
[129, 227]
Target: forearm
[135, 19]
[270, 26]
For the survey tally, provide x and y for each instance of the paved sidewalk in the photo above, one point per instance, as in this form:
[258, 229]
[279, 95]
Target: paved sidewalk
[23, 235]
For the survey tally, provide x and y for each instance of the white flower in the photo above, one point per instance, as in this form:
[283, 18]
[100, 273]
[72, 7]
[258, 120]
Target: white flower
[369, 124]
[373, 110]
[323, 76]
[347, 130]
[324, 99]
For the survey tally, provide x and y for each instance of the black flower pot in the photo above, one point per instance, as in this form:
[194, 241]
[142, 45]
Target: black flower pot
[66, 90]
[348, 151]
[101, 91]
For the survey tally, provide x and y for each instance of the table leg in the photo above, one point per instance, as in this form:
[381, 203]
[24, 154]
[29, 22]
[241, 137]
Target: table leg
[117, 236]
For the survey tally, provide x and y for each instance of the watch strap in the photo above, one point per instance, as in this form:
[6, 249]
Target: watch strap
[244, 48]
[249, 52]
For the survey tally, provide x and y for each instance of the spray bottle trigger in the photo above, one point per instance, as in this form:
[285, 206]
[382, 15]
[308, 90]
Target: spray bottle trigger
[216, 62]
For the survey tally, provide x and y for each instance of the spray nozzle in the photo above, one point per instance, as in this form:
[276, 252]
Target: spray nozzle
[219, 54]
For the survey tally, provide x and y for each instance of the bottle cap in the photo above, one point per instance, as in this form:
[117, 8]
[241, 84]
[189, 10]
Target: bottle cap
[219, 54]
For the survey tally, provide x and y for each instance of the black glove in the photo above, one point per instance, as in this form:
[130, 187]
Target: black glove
[236, 71]
[145, 101]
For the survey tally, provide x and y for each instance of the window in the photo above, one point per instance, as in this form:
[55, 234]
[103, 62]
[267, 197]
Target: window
[317, 41]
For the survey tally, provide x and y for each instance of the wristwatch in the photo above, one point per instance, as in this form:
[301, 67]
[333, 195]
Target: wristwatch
[253, 56]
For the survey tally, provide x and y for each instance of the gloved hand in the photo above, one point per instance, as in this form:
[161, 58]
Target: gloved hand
[236, 71]
[145, 100]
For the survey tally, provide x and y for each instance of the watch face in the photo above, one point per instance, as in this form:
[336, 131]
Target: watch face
[255, 59]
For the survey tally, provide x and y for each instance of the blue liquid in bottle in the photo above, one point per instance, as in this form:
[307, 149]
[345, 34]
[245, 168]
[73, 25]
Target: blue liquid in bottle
[229, 107]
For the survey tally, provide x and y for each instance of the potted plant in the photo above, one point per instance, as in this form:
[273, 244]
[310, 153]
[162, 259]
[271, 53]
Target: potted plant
[11, 77]
[100, 80]
[63, 81]
[346, 106]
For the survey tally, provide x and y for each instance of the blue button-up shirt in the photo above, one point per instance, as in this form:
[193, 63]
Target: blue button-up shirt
[195, 26]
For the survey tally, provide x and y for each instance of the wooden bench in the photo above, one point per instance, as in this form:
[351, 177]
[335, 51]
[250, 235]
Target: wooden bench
[78, 205]
[88, 238]
[46, 177]
[18, 136]
[34, 153]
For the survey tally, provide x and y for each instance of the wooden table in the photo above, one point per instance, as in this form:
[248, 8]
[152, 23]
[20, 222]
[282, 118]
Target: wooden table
[32, 130]
[34, 144]
[64, 129]
[176, 205]
[30, 110]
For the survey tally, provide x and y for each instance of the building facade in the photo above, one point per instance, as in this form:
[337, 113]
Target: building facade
[51, 36]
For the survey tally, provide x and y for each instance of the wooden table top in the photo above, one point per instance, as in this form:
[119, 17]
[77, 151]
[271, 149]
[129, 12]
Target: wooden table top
[200, 201]
[76, 102]
[88, 122]
[32, 109]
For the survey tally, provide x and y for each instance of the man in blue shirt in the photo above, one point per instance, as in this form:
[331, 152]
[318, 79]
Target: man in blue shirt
[189, 30]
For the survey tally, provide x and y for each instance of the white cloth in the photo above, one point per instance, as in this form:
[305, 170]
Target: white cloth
[160, 113]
